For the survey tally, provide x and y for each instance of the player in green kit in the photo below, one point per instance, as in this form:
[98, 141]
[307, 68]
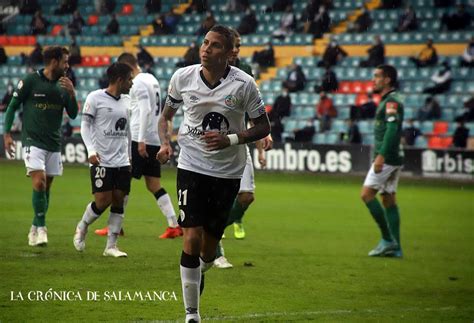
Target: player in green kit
[44, 95]
[385, 171]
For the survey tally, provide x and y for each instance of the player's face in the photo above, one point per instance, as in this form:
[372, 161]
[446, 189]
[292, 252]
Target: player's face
[236, 50]
[60, 67]
[380, 81]
[126, 84]
[213, 52]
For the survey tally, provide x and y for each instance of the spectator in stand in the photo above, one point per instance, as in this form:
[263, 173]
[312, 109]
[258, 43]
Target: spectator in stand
[353, 135]
[279, 6]
[427, 57]
[332, 55]
[7, 97]
[365, 110]
[441, 79]
[113, 26]
[144, 58]
[468, 110]
[362, 22]
[159, 26]
[39, 24]
[208, 22]
[66, 7]
[75, 57]
[317, 24]
[36, 56]
[376, 54]
[410, 133]
[281, 108]
[152, 6]
[237, 6]
[443, 3]
[296, 80]
[391, 4]
[461, 134]
[407, 20]
[76, 24]
[431, 110]
[467, 59]
[459, 20]
[305, 134]
[171, 20]
[191, 56]
[29, 7]
[325, 111]
[264, 58]
[287, 24]
[248, 24]
[329, 82]
[197, 6]
[3, 55]
[109, 6]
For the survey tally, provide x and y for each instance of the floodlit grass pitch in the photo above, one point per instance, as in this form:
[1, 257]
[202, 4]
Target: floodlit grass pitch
[307, 243]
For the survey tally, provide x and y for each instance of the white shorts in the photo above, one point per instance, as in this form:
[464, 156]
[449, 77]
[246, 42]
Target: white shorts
[40, 159]
[386, 181]
[247, 183]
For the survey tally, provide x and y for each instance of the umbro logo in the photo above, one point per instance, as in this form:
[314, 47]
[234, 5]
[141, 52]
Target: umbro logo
[240, 80]
[39, 95]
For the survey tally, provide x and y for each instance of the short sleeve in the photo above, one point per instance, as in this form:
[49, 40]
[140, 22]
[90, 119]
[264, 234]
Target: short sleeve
[174, 99]
[253, 102]
[90, 108]
[392, 111]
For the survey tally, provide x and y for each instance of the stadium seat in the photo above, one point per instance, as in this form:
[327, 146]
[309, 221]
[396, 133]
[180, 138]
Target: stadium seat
[93, 20]
[127, 9]
[440, 127]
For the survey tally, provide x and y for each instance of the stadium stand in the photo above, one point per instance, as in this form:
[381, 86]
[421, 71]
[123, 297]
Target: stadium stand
[299, 48]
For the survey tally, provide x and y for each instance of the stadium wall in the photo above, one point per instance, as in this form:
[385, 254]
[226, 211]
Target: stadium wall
[336, 159]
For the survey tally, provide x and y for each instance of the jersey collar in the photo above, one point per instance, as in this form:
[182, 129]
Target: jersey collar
[116, 98]
[386, 94]
[210, 86]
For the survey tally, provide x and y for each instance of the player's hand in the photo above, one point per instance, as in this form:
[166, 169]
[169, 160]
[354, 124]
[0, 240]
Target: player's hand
[164, 154]
[378, 164]
[142, 150]
[267, 142]
[215, 140]
[66, 84]
[8, 144]
[262, 160]
[94, 160]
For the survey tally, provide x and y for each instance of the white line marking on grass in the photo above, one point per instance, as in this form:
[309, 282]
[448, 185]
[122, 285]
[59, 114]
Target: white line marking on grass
[326, 312]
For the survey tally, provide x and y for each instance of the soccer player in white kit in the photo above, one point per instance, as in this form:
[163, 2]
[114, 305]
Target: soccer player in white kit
[145, 108]
[105, 130]
[214, 97]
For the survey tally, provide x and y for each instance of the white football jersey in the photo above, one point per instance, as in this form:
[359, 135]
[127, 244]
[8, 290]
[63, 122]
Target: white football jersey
[111, 127]
[145, 96]
[220, 108]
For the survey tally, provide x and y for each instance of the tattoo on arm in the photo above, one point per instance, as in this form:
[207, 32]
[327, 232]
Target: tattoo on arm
[260, 129]
[164, 124]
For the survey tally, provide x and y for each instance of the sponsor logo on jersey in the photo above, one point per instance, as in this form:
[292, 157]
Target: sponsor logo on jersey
[41, 95]
[20, 85]
[194, 99]
[121, 124]
[215, 121]
[230, 100]
[119, 131]
[391, 107]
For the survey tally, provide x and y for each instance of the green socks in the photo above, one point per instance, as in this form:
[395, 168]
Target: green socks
[393, 219]
[236, 213]
[40, 205]
[379, 216]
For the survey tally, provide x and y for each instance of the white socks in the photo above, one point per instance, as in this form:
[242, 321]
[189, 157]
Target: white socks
[164, 203]
[115, 225]
[88, 217]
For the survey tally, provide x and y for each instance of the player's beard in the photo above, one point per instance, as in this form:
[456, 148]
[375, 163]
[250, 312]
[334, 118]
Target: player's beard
[58, 73]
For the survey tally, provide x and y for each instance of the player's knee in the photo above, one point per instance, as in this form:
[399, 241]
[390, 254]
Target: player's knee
[192, 241]
[366, 195]
[388, 200]
[245, 199]
[39, 183]
[103, 202]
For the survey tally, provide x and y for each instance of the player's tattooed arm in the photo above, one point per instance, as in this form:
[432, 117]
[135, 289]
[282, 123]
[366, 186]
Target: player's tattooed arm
[260, 129]
[164, 130]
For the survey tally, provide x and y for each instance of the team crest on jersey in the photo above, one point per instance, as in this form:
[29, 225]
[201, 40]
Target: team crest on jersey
[20, 85]
[194, 99]
[391, 107]
[230, 100]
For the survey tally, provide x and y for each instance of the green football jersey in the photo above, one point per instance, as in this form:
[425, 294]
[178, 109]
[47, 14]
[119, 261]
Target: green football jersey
[388, 129]
[43, 103]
